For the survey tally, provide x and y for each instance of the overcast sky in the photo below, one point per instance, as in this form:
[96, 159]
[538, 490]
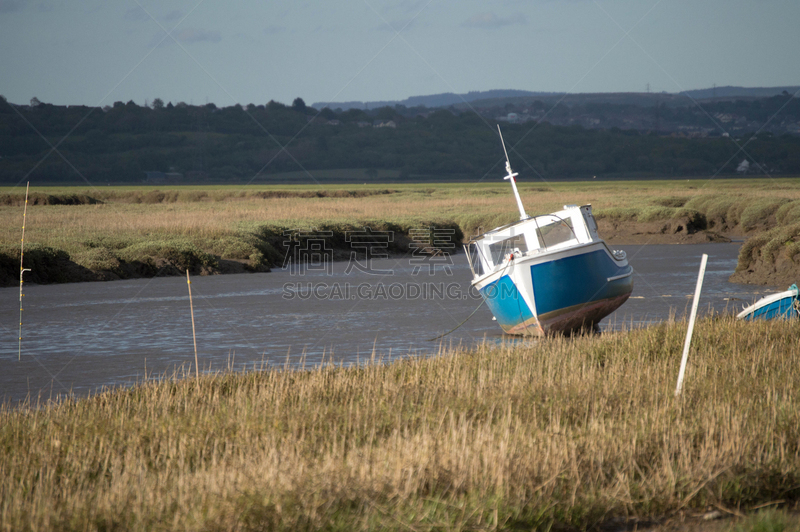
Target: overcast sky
[96, 52]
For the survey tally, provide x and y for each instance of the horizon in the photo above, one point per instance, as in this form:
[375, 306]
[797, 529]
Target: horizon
[532, 94]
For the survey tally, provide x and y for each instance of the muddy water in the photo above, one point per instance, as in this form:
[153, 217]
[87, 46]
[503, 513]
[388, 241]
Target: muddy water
[80, 337]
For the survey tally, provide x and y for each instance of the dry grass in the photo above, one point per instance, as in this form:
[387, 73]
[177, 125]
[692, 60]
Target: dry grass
[214, 211]
[561, 431]
[140, 229]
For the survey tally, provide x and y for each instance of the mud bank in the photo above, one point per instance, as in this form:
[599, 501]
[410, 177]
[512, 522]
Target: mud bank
[50, 265]
[675, 231]
[255, 250]
[770, 255]
[770, 258]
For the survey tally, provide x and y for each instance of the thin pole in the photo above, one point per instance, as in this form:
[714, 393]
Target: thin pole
[511, 177]
[194, 336]
[22, 270]
[689, 332]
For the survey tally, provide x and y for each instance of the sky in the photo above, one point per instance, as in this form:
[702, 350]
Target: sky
[96, 52]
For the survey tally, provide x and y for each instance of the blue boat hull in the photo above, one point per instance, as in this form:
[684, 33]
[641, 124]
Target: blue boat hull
[785, 305]
[568, 292]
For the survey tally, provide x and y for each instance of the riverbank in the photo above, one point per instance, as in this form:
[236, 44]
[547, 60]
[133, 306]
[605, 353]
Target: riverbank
[565, 434]
[770, 258]
[267, 247]
[129, 232]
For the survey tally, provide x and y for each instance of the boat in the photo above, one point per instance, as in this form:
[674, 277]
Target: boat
[550, 273]
[783, 305]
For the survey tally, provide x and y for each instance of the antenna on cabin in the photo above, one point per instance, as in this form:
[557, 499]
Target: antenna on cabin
[510, 177]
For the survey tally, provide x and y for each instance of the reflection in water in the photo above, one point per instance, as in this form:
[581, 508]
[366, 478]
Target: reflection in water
[79, 337]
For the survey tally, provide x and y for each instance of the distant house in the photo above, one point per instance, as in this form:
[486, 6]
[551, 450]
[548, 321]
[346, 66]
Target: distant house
[381, 123]
[743, 167]
[363, 124]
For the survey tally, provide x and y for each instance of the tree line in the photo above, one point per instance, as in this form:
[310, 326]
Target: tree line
[206, 143]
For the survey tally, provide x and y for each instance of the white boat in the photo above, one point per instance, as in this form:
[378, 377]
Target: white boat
[784, 305]
[550, 273]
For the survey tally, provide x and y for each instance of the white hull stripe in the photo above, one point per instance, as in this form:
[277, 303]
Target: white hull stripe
[624, 275]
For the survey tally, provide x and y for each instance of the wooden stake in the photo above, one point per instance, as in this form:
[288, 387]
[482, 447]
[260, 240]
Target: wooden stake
[22, 270]
[194, 336]
[689, 332]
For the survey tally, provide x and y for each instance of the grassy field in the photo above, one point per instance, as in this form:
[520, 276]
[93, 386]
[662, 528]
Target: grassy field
[557, 434]
[196, 226]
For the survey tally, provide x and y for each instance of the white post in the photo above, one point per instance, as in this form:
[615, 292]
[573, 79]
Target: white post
[692, 317]
[194, 336]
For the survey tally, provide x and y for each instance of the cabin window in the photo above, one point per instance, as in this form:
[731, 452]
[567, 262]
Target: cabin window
[504, 247]
[475, 260]
[556, 232]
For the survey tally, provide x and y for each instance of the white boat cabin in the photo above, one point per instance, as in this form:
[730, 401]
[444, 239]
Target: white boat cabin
[535, 235]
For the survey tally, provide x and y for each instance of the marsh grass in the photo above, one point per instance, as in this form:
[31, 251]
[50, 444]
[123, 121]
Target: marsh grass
[782, 242]
[559, 432]
[247, 223]
[788, 213]
[748, 212]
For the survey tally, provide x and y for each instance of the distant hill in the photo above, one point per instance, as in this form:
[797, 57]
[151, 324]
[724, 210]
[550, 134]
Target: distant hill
[435, 100]
[639, 99]
[728, 92]
[501, 97]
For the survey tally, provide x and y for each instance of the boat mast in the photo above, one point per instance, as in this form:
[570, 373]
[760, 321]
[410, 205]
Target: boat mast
[510, 177]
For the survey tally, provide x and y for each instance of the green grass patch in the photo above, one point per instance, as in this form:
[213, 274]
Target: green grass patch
[181, 252]
[757, 213]
[671, 201]
[695, 219]
[768, 245]
[788, 213]
[771, 242]
[770, 520]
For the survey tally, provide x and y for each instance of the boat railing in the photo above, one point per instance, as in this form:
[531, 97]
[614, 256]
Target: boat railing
[481, 264]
